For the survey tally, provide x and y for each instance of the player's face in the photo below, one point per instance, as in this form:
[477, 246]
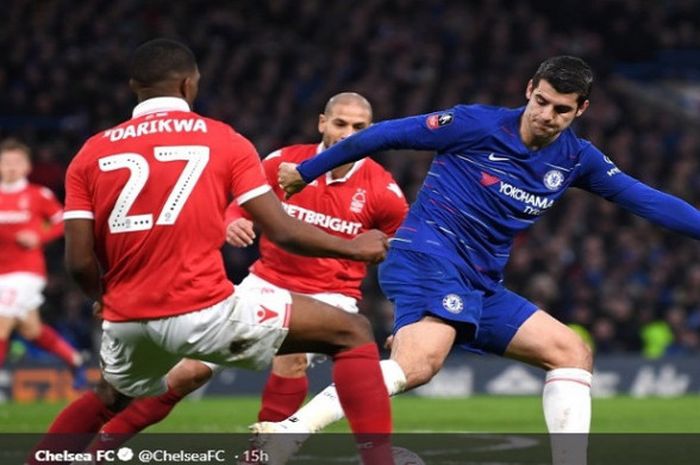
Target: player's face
[343, 120]
[548, 112]
[14, 165]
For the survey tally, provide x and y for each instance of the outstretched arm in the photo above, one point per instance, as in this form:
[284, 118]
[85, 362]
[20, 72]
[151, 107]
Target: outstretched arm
[660, 208]
[415, 132]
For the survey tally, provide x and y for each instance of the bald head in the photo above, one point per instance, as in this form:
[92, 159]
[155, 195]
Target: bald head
[348, 98]
[345, 114]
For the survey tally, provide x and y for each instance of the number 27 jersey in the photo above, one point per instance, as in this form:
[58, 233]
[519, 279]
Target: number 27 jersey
[156, 187]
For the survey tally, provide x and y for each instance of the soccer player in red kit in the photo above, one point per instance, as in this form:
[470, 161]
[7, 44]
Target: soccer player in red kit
[30, 216]
[145, 204]
[350, 200]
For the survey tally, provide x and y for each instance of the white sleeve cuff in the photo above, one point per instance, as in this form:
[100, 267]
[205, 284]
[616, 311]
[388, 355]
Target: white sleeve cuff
[78, 215]
[251, 194]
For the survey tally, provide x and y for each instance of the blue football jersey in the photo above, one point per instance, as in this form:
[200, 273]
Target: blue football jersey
[484, 185]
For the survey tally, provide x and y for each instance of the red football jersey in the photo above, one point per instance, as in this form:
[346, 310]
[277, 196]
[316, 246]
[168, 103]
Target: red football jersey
[157, 187]
[366, 198]
[25, 206]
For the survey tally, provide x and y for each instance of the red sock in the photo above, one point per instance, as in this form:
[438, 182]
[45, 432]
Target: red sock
[282, 397]
[51, 341]
[140, 414]
[75, 426]
[365, 400]
[4, 344]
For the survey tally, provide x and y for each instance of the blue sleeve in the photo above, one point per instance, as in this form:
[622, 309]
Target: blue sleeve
[660, 208]
[433, 131]
[599, 175]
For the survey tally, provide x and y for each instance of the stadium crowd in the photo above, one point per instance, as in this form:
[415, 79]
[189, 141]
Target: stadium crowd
[270, 66]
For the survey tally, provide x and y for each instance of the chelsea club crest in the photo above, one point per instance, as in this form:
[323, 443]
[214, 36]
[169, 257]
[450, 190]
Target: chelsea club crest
[553, 179]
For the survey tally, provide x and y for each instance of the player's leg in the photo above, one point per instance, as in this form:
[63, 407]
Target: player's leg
[425, 331]
[285, 389]
[544, 342]
[513, 327]
[133, 365]
[45, 337]
[185, 377]
[287, 384]
[417, 354]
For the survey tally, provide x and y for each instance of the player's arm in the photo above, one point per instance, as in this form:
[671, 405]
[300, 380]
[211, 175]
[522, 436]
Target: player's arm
[435, 131]
[600, 176]
[78, 218]
[660, 208]
[81, 261]
[303, 239]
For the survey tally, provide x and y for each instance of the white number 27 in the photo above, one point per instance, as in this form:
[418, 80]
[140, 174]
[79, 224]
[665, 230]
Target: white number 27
[197, 157]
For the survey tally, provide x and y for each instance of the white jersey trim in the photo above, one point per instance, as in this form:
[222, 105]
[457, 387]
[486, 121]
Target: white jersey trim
[160, 104]
[251, 194]
[78, 215]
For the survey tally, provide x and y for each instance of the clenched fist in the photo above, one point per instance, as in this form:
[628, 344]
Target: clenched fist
[289, 179]
[370, 246]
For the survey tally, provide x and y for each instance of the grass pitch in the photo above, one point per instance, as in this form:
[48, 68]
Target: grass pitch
[411, 414]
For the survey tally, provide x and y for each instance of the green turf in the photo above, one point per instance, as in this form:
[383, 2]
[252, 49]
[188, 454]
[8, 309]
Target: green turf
[478, 414]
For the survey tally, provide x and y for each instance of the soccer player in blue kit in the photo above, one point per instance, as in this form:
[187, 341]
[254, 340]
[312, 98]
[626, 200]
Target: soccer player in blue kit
[497, 170]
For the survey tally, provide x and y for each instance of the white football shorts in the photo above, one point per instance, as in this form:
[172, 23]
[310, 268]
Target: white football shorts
[245, 330]
[20, 293]
[335, 299]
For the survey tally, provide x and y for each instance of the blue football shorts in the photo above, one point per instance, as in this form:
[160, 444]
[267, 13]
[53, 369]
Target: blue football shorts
[419, 284]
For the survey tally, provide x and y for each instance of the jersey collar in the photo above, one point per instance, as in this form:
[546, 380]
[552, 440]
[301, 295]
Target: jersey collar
[17, 186]
[329, 177]
[160, 104]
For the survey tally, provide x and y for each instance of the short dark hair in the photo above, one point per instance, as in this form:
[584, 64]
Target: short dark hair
[567, 74]
[12, 144]
[159, 60]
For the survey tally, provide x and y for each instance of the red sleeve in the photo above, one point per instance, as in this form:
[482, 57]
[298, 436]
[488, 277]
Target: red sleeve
[52, 212]
[78, 199]
[392, 208]
[247, 175]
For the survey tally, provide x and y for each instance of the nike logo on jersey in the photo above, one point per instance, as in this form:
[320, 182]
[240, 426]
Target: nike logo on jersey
[493, 157]
[265, 314]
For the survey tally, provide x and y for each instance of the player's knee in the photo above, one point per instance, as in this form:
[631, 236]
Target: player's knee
[421, 372]
[358, 332]
[572, 352]
[188, 376]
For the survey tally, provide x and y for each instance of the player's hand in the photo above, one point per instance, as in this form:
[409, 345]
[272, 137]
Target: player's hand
[28, 239]
[240, 232]
[370, 246]
[289, 179]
